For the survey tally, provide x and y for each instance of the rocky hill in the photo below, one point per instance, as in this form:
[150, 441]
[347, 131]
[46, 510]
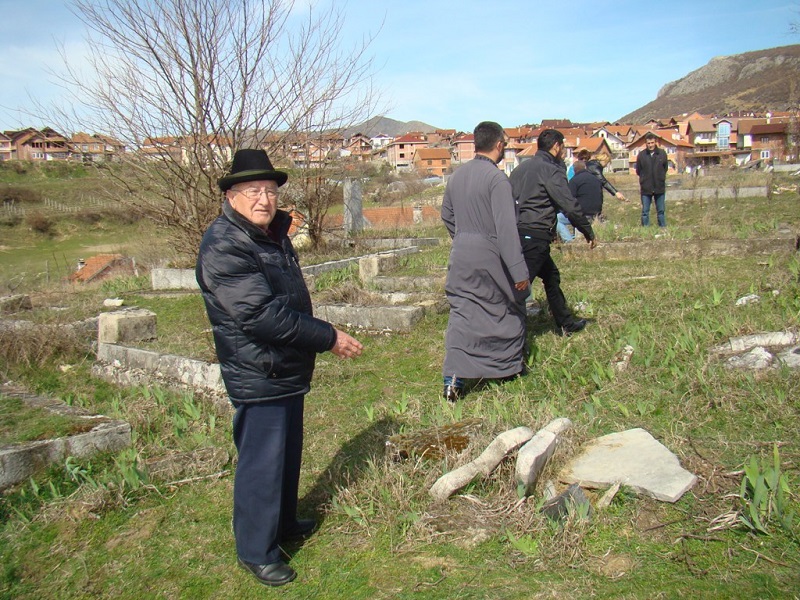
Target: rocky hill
[390, 127]
[759, 81]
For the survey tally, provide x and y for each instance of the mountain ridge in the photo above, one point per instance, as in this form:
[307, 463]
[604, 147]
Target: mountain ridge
[758, 81]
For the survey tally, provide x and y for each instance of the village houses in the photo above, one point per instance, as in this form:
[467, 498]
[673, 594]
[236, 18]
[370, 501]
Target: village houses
[690, 141]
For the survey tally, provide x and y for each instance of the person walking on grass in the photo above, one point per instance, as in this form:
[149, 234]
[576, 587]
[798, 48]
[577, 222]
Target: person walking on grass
[540, 189]
[266, 339]
[487, 280]
[651, 167]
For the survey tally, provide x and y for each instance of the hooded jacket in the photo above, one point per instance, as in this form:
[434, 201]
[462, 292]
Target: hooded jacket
[540, 189]
[265, 334]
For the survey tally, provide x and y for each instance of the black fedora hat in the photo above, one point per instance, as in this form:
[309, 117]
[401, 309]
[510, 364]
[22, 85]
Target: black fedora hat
[251, 165]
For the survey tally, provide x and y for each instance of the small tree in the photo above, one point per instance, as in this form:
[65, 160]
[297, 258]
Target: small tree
[184, 84]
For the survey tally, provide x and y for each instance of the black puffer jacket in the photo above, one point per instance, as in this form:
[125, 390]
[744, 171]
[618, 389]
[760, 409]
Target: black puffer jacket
[540, 190]
[595, 168]
[652, 171]
[260, 309]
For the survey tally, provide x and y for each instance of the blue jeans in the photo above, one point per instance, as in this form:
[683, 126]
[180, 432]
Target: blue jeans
[660, 208]
[562, 228]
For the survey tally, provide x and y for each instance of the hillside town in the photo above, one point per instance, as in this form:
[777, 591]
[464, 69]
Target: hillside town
[692, 142]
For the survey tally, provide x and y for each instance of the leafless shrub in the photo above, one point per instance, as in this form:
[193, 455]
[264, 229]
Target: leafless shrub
[14, 194]
[39, 222]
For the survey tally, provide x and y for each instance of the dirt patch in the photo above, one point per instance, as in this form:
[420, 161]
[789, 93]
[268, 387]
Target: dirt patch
[613, 566]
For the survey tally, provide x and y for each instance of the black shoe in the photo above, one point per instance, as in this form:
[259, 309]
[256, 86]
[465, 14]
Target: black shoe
[452, 393]
[273, 574]
[573, 327]
[300, 530]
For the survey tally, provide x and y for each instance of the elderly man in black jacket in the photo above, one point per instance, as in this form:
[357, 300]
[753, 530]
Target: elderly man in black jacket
[267, 340]
[540, 189]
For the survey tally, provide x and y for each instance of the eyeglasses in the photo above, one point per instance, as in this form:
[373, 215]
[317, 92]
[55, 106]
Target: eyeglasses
[254, 193]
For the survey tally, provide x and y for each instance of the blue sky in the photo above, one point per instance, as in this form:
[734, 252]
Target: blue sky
[454, 63]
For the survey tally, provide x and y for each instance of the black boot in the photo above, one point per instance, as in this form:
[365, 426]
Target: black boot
[452, 393]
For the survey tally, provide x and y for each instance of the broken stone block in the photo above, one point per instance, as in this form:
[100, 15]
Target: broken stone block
[433, 442]
[632, 458]
[17, 302]
[533, 456]
[622, 359]
[124, 326]
[372, 266]
[737, 345]
[505, 443]
[558, 508]
[757, 359]
[790, 357]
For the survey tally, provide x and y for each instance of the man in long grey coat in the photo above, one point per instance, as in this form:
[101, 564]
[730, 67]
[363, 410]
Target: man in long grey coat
[487, 279]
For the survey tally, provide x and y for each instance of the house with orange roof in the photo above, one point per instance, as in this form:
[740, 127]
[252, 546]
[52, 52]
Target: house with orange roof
[358, 147]
[400, 151]
[433, 161]
[101, 267]
[770, 141]
[463, 148]
[618, 138]
[38, 145]
[94, 148]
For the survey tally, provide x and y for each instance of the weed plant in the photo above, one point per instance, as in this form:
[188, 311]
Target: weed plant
[104, 528]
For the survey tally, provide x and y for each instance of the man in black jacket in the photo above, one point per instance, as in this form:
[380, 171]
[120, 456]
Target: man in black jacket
[267, 340]
[540, 189]
[651, 167]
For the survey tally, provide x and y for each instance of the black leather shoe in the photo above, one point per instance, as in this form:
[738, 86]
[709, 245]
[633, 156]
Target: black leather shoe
[573, 327]
[273, 574]
[452, 393]
[300, 530]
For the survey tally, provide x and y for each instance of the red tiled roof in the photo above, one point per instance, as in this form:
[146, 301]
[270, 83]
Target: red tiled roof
[99, 266]
[768, 128]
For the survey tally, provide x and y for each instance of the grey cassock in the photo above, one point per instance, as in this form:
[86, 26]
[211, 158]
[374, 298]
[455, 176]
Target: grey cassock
[486, 331]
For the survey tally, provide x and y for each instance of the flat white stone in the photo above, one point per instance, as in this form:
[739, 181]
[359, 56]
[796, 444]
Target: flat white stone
[756, 359]
[790, 357]
[634, 459]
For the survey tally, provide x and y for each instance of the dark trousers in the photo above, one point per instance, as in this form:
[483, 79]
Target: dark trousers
[269, 439]
[541, 265]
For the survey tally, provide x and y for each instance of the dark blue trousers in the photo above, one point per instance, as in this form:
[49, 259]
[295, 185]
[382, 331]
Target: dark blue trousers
[269, 439]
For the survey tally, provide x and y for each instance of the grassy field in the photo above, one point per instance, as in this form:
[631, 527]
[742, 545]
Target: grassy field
[101, 529]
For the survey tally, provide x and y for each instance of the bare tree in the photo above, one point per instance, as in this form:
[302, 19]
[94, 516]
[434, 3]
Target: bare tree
[183, 83]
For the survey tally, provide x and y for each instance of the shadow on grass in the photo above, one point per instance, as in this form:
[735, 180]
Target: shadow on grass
[345, 468]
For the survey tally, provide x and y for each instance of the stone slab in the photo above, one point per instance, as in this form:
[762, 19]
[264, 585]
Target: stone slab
[408, 283]
[173, 279]
[197, 374]
[533, 456]
[122, 326]
[373, 318]
[680, 249]
[635, 459]
[19, 462]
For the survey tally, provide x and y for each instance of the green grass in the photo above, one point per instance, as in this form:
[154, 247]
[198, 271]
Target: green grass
[22, 423]
[99, 535]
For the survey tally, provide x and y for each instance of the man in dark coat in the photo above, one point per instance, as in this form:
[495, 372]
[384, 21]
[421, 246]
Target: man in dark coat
[267, 340]
[540, 189]
[651, 167]
[487, 280]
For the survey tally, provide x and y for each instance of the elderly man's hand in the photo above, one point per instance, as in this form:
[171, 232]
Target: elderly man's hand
[592, 243]
[521, 286]
[346, 346]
